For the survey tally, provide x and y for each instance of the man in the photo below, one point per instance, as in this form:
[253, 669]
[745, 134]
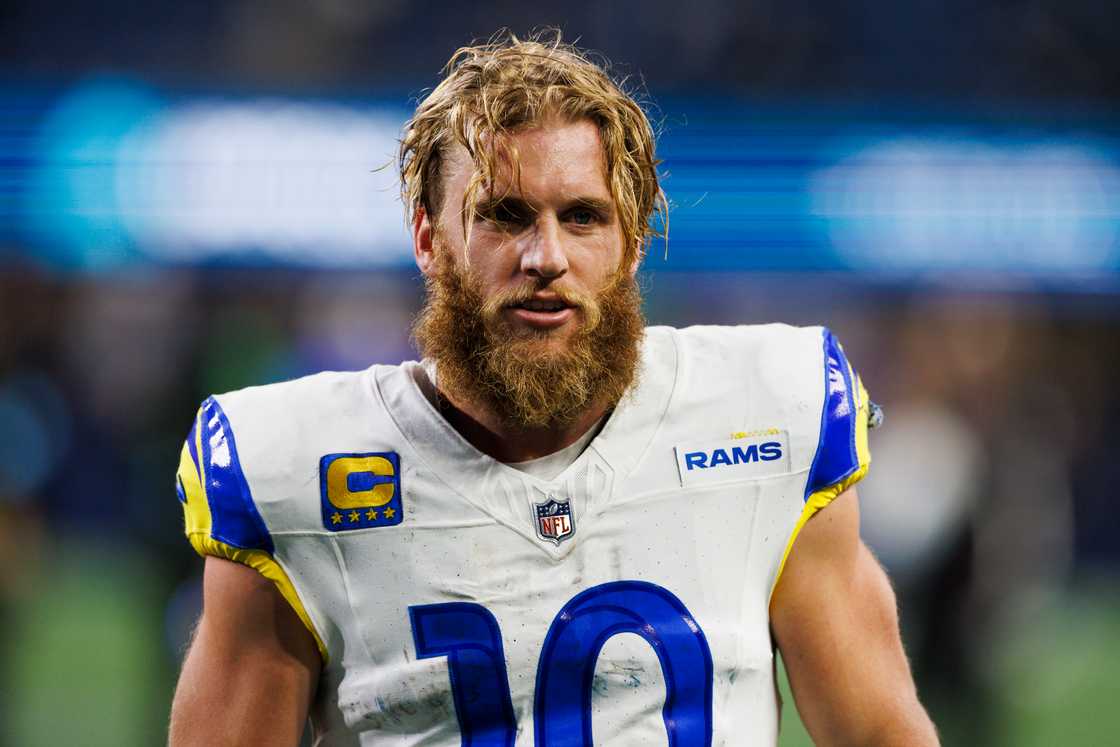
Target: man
[561, 528]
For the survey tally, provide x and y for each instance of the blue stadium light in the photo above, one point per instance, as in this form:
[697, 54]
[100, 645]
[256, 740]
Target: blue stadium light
[124, 175]
[70, 214]
[296, 182]
[922, 204]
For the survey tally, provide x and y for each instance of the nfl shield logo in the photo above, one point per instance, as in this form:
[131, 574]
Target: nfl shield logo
[554, 521]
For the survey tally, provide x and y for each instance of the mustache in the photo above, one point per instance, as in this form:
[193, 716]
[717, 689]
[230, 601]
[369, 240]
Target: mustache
[525, 382]
[587, 303]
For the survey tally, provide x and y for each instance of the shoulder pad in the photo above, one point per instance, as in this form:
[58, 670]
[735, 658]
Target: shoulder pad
[220, 516]
[842, 456]
[212, 486]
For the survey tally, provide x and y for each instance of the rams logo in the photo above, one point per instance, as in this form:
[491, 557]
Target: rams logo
[767, 452]
[749, 457]
[361, 490]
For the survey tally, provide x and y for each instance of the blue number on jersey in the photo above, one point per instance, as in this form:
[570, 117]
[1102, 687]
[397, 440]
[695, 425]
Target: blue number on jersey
[469, 636]
[562, 707]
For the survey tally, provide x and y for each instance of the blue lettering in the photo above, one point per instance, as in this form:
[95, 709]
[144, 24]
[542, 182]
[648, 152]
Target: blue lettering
[742, 457]
[468, 635]
[767, 452]
[696, 459]
[770, 451]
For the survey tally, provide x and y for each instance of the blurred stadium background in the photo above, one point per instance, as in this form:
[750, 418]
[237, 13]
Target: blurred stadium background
[192, 200]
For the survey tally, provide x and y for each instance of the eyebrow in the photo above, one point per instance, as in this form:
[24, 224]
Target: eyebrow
[517, 204]
[594, 203]
[509, 202]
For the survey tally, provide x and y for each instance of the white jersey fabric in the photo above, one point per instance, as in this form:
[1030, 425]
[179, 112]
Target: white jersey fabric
[458, 600]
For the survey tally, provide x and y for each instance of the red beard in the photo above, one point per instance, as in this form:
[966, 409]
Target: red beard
[530, 379]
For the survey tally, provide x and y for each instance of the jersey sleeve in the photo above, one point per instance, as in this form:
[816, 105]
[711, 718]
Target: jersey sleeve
[842, 457]
[220, 516]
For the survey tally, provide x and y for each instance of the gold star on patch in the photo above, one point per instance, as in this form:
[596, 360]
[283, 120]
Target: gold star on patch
[390, 512]
[336, 518]
[371, 514]
[354, 516]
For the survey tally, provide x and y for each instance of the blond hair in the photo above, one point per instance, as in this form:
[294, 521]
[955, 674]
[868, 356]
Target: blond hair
[493, 89]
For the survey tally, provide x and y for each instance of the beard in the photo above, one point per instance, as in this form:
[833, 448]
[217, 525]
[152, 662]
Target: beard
[530, 378]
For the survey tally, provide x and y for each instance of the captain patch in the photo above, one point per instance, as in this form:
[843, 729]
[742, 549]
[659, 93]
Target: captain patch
[361, 490]
[706, 462]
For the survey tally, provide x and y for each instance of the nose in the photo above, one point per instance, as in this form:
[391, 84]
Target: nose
[544, 256]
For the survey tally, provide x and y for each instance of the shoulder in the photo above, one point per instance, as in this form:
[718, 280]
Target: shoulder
[843, 455]
[255, 446]
[277, 425]
[799, 370]
[801, 374]
[795, 378]
[777, 344]
[259, 411]
[776, 360]
[249, 462]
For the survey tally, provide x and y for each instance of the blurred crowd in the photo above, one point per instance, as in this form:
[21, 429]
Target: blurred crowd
[777, 47]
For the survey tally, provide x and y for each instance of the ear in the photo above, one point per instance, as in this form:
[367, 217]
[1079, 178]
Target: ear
[423, 250]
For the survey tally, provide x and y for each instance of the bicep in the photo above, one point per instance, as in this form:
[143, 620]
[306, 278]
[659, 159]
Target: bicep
[251, 671]
[835, 622]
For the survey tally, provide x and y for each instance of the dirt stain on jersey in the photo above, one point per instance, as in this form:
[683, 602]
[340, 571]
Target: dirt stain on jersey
[628, 673]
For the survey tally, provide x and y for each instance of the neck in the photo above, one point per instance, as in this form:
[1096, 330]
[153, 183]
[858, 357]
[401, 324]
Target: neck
[508, 442]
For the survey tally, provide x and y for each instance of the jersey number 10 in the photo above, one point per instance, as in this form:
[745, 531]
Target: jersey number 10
[468, 635]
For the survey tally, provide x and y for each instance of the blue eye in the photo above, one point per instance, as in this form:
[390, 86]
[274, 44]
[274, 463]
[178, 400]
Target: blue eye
[583, 217]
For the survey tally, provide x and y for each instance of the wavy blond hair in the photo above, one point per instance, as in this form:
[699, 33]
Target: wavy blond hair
[493, 89]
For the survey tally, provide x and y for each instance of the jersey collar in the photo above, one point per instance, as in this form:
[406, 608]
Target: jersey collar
[618, 448]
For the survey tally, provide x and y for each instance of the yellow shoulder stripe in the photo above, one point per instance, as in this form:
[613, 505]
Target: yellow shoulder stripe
[818, 500]
[196, 513]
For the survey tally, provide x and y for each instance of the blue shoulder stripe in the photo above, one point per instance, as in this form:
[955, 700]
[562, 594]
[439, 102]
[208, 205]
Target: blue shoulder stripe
[234, 517]
[836, 456]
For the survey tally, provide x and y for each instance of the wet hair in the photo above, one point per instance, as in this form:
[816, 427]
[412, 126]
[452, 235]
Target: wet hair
[494, 89]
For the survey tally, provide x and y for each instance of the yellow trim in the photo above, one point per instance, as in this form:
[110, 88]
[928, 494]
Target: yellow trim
[818, 500]
[750, 434]
[264, 564]
[863, 449]
[196, 513]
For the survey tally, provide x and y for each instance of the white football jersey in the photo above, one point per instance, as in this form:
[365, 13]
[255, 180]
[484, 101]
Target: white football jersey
[459, 601]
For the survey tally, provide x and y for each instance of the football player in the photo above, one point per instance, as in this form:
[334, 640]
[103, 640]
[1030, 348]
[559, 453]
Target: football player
[560, 527]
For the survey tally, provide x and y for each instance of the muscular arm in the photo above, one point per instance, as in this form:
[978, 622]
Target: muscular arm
[835, 622]
[251, 671]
